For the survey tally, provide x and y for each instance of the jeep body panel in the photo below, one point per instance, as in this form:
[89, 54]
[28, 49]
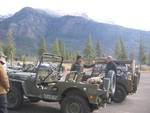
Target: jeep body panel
[55, 91]
[127, 84]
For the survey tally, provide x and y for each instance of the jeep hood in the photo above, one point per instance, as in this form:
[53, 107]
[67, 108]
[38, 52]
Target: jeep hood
[21, 75]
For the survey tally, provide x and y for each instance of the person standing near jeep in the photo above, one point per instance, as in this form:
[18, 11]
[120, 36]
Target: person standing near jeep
[111, 65]
[79, 65]
[4, 84]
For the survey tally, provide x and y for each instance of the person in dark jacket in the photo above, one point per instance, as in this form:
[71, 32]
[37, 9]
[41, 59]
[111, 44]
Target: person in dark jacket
[79, 65]
[4, 84]
[111, 65]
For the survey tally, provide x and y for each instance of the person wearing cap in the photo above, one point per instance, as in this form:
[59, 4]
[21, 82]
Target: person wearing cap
[79, 65]
[111, 65]
[4, 84]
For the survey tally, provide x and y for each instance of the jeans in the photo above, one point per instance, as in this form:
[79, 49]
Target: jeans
[3, 103]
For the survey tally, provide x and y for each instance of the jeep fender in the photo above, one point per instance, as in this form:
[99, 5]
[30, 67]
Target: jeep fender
[119, 84]
[73, 90]
[19, 84]
[77, 91]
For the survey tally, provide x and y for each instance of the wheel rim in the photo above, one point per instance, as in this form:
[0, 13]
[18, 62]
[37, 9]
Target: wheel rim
[113, 86]
[118, 95]
[12, 98]
[74, 108]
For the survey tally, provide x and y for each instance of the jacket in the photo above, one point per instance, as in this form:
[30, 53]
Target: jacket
[79, 67]
[4, 81]
[111, 66]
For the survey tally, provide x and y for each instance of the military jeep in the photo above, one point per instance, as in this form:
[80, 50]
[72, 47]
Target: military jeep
[45, 83]
[127, 78]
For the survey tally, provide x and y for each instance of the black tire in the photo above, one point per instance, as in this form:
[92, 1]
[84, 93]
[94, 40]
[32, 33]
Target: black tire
[75, 104]
[120, 94]
[112, 76]
[14, 98]
[33, 99]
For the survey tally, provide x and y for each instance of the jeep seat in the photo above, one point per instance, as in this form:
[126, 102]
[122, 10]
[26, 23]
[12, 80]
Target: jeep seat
[70, 77]
[79, 77]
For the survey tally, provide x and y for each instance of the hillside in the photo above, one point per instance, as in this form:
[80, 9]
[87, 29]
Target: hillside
[29, 25]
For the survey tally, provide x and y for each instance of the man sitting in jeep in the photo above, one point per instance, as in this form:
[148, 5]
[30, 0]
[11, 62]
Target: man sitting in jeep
[79, 65]
[110, 65]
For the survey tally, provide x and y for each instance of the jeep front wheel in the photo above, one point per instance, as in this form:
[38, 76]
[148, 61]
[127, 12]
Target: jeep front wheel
[14, 98]
[75, 104]
[120, 94]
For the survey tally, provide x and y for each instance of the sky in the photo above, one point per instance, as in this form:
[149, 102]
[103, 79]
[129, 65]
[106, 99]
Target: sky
[127, 13]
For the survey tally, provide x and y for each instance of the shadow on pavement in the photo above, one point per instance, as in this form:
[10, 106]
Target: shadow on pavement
[39, 107]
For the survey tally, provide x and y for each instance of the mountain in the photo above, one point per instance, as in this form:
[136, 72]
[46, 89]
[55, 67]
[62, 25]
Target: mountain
[28, 26]
[3, 17]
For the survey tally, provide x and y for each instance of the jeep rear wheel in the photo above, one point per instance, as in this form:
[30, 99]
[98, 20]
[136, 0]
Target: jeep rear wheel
[75, 104]
[120, 94]
[14, 98]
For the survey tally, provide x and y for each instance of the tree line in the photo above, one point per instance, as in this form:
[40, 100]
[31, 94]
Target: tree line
[90, 52]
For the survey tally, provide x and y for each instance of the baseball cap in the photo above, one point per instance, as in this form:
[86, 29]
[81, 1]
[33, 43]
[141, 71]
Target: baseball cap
[109, 57]
[2, 54]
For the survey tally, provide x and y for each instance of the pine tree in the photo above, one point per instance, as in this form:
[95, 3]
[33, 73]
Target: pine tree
[120, 49]
[124, 55]
[63, 50]
[22, 58]
[9, 49]
[89, 51]
[99, 52]
[142, 53]
[43, 47]
[67, 55]
[55, 47]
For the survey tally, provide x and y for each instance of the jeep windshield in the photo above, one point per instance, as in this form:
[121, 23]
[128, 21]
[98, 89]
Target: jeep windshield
[44, 61]
[52, 60]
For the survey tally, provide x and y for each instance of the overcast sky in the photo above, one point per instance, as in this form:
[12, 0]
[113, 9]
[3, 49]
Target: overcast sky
[128, 13]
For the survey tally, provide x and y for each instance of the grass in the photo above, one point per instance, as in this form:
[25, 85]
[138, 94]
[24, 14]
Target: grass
[145, 68]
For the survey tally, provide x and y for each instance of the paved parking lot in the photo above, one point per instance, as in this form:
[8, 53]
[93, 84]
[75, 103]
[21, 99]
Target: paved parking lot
[136, 103]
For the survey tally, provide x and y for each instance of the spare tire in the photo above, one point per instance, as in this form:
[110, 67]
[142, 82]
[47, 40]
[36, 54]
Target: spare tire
[112, 76]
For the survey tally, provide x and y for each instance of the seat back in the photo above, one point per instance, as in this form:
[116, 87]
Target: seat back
[79, 77]
[70, 76]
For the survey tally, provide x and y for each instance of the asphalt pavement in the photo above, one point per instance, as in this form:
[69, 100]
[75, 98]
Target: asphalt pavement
[136, 103]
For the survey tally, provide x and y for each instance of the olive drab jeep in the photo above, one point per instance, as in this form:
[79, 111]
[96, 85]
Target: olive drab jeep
[127, 78]
[44, 82]
[127, 81]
